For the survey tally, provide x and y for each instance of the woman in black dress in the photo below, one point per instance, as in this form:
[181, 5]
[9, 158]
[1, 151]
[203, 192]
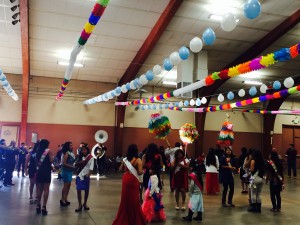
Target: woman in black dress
[44, 159]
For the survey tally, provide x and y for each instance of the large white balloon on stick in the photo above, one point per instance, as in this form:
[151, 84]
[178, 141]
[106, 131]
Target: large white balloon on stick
[228, 22]
[196, 45]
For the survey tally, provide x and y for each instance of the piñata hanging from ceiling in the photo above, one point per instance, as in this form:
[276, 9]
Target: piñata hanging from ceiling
[226, 136]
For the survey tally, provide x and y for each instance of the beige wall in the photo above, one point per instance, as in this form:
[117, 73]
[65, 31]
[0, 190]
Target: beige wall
[10, 110]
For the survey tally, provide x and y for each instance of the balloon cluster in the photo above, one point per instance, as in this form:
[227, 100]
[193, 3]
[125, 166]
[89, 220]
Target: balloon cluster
[95, 16]
[188, 133]
[6, 85]
[159, 125]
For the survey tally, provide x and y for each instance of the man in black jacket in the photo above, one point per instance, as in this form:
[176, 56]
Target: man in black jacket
[291, 154]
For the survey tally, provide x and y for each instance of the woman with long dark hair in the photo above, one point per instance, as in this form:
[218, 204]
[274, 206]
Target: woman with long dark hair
[30, 169]
[226, 176]
[276, 180]
[130, 211]
[67, 171]
[44, 159]
[256, 183]
[212, 167]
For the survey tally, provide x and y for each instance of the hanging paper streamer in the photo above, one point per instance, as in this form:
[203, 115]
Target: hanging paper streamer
[282, 55]
[287, 112]
[226, 136]
[6, 85]
[95, 16]
[159, 125]
[188, 133]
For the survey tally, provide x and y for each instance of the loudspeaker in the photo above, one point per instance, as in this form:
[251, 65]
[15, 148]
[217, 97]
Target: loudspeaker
[34, 137]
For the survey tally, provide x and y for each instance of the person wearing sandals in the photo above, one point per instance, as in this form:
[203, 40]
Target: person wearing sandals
[30, 169]
[180, 178]
[67, 171]
[275, 178]
[85, 166]
[44, 159]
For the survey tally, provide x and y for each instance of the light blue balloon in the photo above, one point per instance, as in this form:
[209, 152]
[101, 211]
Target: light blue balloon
[184, 53]
[128, 87]
[252, 9]
[230, 95]
[2, 77]
[166, 105]
[160, 106]
[118, 90]
[186, 103]
[105, 96]
[112, 93]
[176, 104]
[167, 64]
[138, 83]
[149, 107]
[209, 36]
[198, 102]
[252, 91]
[1, 72]
[154, 107]
[149, 75]
[5, 83]
[276, 85]
[143, 107]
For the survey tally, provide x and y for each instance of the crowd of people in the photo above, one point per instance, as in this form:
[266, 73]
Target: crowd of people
[144, 173]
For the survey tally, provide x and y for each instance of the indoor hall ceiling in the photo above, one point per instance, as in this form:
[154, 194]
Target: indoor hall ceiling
[55, 26]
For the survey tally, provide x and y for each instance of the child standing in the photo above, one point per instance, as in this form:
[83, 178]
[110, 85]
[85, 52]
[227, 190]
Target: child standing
[195, 192]
[152, 206]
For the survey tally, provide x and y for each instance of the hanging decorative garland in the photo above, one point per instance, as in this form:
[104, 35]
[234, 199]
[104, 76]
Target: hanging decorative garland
[95, 16]
[291, 112]
[7, 87]
[261, 62]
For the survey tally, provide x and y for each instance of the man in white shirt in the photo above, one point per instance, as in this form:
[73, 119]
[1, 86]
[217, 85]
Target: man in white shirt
[171, 152]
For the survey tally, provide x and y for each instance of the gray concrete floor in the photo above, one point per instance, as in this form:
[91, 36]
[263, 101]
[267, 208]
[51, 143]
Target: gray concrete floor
[105, 197]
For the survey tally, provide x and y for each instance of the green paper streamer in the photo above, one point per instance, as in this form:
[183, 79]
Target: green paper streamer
[103, 2]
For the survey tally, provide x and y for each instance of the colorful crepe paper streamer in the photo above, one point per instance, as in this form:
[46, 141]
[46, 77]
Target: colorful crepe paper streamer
[261, 62]
[159, 125]
[94, 18]
[188, 133]
[226, 135]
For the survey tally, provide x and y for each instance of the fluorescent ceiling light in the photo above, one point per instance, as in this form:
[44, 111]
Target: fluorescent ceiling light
[218, 17]
[67, 63]
[170, 82]
[253, 82]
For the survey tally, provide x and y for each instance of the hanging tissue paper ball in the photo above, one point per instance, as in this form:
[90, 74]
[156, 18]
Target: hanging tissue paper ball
[226, 135]
[192, 102]
[132, 87]
[175, 58]
[209, 36]
[288, 82]
[157, 69]
[241, 93]
[252, 9]
[180, 104]
[149, 75]
[203, 100]
[159, 125]
[198, 102]
[123, 88]
[143, 79]
[252, 91]
[184, 53]
[228, 22]
[221, 98]
[196, 45]
[276, 85]
[167, 64]
[263, 88]
[230, 95]
[186, 103]
[188, 133]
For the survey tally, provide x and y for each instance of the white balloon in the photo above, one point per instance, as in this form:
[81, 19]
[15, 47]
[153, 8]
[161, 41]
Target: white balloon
[241, 93]
[123, 88]
[180, 104]
[132, 87]
[157, 69]
[263, 88]
[196, 44]
[175, 58]
[192, 102]
[143, 79]
[228, 22]
[203, 100]
[221, 98]
[109, 95]
[288, 82]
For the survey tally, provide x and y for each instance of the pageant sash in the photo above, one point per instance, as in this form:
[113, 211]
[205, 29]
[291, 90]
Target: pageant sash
[131, 168]
[196, 181]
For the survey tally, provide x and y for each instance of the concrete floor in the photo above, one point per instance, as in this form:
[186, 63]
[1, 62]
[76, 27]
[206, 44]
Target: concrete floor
[105, 197]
